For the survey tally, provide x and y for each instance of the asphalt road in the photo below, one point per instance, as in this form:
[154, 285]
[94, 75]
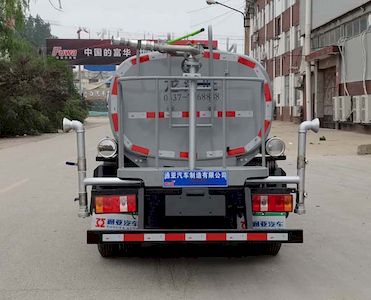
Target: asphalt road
[44, 254]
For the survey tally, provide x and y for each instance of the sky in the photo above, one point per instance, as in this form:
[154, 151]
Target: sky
[139, 19]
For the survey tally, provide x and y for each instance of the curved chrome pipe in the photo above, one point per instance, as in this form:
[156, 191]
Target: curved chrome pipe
[79, 128]
[302, 161]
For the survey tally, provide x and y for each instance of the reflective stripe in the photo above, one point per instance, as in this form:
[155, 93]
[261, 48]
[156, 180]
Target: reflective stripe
[236, 151]
[236, 236]
[112, 237]
[267, 123]
[216, 236]
[267, 92]
[214, 154]
[246, 62]
[169, 154]
[115, 121]
[278, 236]
[142, 59]
[115, 86]
[139, 149]
[195, 237]
[216, 55]
[154, 237]
[256, 236]
[183, 154]
[185, 114]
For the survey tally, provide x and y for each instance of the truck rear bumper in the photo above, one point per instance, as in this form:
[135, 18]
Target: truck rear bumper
[194, 236]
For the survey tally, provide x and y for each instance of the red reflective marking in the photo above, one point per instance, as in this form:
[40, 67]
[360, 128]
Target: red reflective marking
[115, 86]
[198, 114]
[246, 62]
[220, 114]
[151, 115]
[185, 114]
[175, 237]
[161, 115]
[216, 236]
[236, 151]
[144, 58]
[183, 154]
[215, 55]
[115, 121]
[257, 236]
[134, 237]
[231, 114]
[267, 123]
[139, 149]
[132, 203]
[267, 92]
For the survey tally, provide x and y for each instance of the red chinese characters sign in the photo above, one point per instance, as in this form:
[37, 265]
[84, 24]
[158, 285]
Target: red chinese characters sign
[88, 52]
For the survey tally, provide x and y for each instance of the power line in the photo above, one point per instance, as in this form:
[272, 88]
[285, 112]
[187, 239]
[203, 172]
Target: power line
[203, 8]
[56, 8]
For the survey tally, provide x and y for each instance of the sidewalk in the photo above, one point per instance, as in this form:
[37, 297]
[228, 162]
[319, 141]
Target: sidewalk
[337, 142]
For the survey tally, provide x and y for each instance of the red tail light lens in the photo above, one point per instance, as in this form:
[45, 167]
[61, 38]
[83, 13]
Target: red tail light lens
[272, 203]
[115, 204]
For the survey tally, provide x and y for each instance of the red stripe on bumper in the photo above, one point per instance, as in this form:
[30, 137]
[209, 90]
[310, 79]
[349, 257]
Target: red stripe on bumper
[257, 236]
[134, 237]
[216, 237]
[175, 237]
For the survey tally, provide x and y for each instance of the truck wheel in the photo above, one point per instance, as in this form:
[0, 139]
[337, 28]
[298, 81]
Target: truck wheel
[108, 250]
[270, 248]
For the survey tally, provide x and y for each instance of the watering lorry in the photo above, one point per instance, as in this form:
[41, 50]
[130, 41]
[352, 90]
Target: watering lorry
[190, 159]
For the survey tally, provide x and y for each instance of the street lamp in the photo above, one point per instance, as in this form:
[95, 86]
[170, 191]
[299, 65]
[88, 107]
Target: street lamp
[246, 21]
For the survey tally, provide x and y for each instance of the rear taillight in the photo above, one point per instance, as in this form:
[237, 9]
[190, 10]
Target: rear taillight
[274, 203]
[115, 204]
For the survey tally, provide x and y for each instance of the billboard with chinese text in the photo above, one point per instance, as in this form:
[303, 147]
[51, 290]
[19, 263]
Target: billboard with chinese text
[97, 52]
[88, 52]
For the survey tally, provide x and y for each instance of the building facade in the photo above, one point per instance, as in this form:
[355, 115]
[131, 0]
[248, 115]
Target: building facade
[340, 58]
[276, 41]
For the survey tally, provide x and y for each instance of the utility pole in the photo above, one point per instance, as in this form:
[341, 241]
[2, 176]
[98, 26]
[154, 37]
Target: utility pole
[246, 24]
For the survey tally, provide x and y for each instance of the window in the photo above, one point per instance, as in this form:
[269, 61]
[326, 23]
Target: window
[287, 90]
[349, 29]
[297, 37]
[356, 27]
[297, 97]
[278, 26]
[315, 42]
[287, 41]
[363, 23]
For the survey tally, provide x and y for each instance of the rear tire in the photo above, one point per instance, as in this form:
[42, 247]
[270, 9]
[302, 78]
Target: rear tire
[108, 250]
[270, 248]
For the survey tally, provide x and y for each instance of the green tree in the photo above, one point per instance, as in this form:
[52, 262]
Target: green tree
[36, 31]
[12, 14]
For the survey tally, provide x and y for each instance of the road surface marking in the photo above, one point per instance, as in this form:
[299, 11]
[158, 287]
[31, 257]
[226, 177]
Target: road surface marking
[10, 187]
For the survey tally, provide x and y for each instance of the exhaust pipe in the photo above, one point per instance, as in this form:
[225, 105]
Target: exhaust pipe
[302, 161]
[78, 127]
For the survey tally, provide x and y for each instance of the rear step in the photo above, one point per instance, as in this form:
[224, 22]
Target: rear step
[171, 236]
